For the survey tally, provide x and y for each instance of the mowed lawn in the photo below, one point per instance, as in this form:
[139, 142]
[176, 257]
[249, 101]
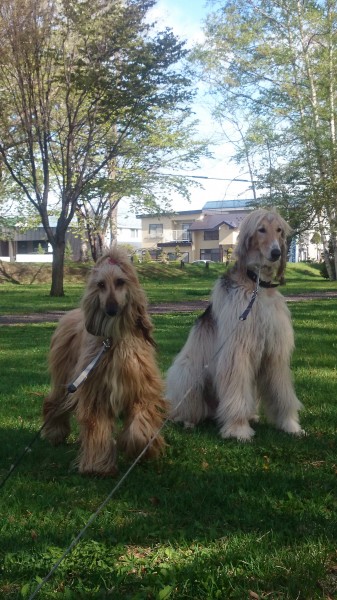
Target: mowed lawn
[212, 519]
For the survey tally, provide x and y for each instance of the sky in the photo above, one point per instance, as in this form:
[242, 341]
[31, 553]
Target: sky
[185, 18]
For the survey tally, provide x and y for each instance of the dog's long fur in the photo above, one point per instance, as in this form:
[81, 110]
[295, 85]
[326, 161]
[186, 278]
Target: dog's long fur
[126, 382]
[228, 365]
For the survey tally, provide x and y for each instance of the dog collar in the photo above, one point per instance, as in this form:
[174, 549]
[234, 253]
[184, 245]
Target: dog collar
[265, 284]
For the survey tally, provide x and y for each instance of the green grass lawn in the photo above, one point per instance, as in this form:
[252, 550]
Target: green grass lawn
[211, 519]
[162, 283]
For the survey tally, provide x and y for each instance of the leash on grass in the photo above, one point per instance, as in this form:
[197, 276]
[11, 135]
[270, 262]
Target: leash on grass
[25, 451]
[92, 518]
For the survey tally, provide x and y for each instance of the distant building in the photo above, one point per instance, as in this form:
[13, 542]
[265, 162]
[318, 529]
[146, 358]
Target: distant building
[207, 234]
[129, 230]
[32, 245]
[210, 233]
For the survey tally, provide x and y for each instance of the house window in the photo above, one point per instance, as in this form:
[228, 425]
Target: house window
[23, 247]
[186, 233]
[155, 230]
[134, 233]
[211, 254]
[211, 235]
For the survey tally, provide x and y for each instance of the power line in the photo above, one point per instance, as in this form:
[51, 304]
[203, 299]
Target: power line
[201, 177]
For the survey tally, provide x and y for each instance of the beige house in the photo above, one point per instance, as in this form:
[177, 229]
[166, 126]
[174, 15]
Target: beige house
[198, 234]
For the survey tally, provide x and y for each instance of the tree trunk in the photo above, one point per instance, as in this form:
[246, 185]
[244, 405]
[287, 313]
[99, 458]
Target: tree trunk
[328, 264]
[334, 275]
[58, 269]
[84, 252]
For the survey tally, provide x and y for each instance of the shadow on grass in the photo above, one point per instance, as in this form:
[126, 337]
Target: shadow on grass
[203, 489]
[210, 517]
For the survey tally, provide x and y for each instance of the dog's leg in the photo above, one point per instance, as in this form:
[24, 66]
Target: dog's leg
[236, 392]
[143, 406]
[62, 360]
[141, 427]
[56, 421]
[98, 448]
[189, 390]
[184, 392]
[277, 392]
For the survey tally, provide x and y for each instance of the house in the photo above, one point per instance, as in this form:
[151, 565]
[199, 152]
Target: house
[129, 231]
[210, 233]
[169, 232]
[32, 245]
[207, 234]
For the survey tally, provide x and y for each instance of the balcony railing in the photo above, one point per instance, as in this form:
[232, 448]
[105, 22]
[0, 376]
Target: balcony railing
[172, 235]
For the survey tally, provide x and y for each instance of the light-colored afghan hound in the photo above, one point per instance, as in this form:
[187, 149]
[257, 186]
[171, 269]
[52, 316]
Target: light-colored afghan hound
[126, 381]
[238, 352]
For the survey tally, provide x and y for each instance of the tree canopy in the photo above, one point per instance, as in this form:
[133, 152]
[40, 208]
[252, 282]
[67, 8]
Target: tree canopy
[274, 65]
[79, 79]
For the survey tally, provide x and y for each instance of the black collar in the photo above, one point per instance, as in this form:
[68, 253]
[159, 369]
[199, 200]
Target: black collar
[265, 284]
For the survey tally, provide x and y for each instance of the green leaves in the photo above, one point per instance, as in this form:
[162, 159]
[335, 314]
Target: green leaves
[271, 71]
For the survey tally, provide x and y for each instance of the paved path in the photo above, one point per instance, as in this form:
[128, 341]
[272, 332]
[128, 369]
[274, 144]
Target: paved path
[154, 309]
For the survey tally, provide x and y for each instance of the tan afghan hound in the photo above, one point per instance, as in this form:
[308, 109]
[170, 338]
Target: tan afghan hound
[125, 382]
[238, 352]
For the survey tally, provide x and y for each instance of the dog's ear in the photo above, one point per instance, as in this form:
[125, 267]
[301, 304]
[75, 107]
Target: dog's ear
[283, 261]
[145, 326]
[241, 252]
[92, 314]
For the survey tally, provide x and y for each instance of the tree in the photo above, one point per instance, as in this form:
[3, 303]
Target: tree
[76, 79]
[276, 63]
[168, 141]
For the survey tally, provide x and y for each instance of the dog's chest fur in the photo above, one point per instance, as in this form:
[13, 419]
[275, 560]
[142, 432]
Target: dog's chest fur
[267, 325]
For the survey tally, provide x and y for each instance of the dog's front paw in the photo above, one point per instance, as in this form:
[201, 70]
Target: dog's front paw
[242, 432]
[112, 472]
[189, 425]
[293, 427]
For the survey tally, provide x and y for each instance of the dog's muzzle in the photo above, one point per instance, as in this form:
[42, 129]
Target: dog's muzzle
[111, 309]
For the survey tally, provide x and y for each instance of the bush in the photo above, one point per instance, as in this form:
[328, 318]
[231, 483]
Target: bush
[146, 256]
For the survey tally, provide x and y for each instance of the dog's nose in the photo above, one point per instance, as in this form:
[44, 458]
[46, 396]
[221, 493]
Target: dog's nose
[275, 254]
[111, 309]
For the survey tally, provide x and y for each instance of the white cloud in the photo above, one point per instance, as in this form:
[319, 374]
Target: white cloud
[182, 17]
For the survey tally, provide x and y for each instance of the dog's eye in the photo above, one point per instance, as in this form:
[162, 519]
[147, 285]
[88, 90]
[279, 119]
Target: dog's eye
[262, 230]
[279, 230]
[120, 282]
[101, 285]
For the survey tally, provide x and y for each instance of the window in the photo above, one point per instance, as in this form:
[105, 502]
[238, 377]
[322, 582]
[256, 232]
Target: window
[23, 247]
[134, 233]
[211, 254]
[155, 230]
[186, 233]
[211, 235]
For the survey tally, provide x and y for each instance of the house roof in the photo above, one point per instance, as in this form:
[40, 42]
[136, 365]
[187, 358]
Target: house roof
[227, 204]
[215, 220]
[170, 214]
